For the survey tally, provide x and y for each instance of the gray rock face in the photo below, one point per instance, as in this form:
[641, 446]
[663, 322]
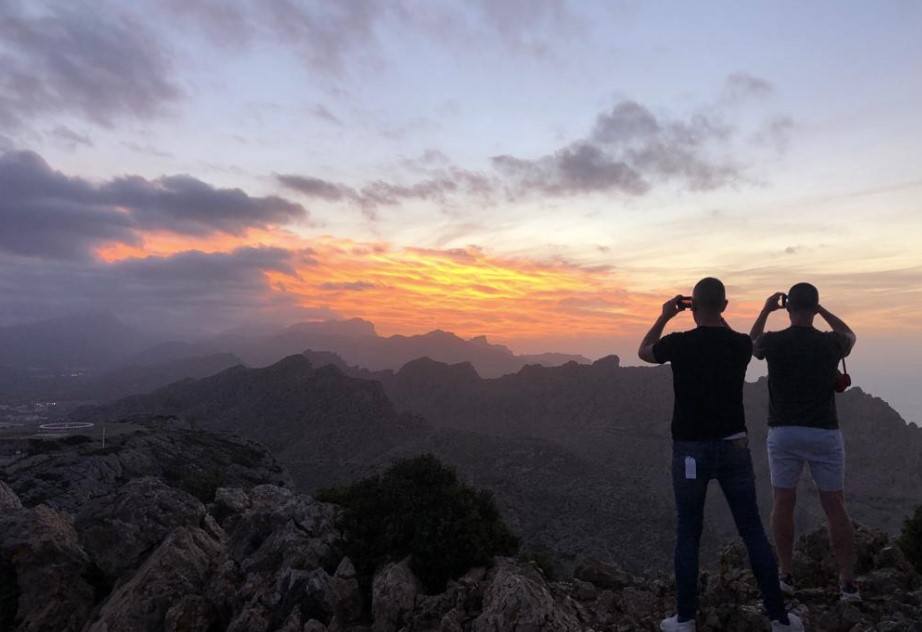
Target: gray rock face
[177, 569]
[519, 600]
[66, 476]
[118, 529]
[8, 498]
[393, 596]
[40, 555]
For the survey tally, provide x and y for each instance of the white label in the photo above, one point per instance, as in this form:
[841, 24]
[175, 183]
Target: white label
[691, 468]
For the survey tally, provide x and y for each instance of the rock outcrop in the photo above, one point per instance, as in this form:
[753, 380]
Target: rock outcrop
[141, 552]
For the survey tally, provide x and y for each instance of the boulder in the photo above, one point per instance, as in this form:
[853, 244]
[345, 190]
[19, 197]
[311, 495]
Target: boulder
[9, 501]
[43, 571]
[518, 600]
[117, 530]
[347, 595]
[393, 596]
[178, 568]
[601, 574]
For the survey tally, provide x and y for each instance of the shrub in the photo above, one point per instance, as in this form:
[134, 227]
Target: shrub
[910, 539]
[419, 508]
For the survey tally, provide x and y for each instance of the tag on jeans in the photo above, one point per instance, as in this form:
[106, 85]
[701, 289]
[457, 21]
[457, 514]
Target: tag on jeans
[691, 468]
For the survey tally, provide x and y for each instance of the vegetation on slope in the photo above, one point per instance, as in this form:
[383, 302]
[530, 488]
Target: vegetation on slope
[419, 508]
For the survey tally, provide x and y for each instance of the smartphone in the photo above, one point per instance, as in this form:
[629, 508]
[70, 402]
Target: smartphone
[684, 302]
[784, 300]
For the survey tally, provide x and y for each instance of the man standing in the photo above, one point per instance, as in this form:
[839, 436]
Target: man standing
[709, 442]
[803, 424]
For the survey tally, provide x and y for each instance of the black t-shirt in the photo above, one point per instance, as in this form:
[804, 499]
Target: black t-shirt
[801, 375]
[708, 371]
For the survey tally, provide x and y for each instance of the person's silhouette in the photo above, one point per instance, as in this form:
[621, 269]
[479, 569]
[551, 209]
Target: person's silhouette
[710, 442]
[803, 423]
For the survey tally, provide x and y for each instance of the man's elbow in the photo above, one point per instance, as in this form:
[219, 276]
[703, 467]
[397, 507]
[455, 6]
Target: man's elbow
[646, 354]
[851, 339]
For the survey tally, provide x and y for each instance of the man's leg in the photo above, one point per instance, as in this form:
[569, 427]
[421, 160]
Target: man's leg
[690, 487]
[786, 465]
[783, 527]
[827, 466]
[737, 480]
[841, 533]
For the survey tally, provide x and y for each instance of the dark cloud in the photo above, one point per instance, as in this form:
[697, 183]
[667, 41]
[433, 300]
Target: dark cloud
[315, 187]
[192, 292]
[441, 184]
[45, 213]
[579, 168]
[628, 150]
[62, 57]
[188, 205]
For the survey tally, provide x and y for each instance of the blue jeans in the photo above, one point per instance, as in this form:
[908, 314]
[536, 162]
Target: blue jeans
[730, 464]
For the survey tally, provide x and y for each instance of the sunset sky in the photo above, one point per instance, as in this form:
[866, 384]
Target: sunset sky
[541, 172]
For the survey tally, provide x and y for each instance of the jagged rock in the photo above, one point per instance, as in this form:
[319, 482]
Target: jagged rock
[519, 600]
[601, 574]
[192, 612]
[45, 571]
[281, 529]
[118, 529]
[9, 501]
[347, 595]
[66, 476]
[393, 596]
[178, 568]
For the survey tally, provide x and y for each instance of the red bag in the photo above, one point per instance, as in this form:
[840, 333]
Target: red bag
[843, 379]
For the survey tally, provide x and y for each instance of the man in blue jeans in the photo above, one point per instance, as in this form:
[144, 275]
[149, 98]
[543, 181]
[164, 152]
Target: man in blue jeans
[709, 442]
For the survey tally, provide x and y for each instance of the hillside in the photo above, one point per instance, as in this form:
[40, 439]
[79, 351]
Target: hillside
[591, 438]
[329, 428]
[139, 546]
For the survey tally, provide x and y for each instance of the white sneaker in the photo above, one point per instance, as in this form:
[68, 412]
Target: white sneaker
[672, 624]
[794, 625]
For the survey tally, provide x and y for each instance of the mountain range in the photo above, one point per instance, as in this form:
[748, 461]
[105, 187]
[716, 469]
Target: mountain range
[578, 455]
[98, 357]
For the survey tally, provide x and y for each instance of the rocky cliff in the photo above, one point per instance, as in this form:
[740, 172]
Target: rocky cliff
[116, 539]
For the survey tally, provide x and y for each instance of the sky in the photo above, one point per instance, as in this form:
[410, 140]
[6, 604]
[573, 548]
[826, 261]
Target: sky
[545, 173]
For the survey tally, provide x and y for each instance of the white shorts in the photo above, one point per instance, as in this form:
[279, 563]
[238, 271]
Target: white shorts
[789, 447]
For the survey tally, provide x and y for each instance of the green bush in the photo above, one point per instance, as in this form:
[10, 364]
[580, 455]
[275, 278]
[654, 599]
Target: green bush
[419, 508]
[910, 539]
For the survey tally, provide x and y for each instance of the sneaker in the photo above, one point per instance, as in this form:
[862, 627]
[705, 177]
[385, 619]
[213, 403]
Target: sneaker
[794, 624]
[672, 624]
[787, 584]
[849, 592]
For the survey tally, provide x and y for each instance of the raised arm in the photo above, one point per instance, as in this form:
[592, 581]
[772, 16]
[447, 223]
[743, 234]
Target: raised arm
[670, 309]
[839, 326]
[772, 303]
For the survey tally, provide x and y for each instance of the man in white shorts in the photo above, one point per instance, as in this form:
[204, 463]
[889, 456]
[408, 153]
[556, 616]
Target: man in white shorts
[803, 423]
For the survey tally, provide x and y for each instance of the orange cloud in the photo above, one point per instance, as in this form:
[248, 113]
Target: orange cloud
[515, 300]
[467, 291]
[409, 290]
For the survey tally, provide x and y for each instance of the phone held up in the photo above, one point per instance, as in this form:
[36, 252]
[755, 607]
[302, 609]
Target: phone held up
[684, 302]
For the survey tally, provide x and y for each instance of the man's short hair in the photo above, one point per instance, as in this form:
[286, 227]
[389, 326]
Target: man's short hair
[710, 295]
[803, 297]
